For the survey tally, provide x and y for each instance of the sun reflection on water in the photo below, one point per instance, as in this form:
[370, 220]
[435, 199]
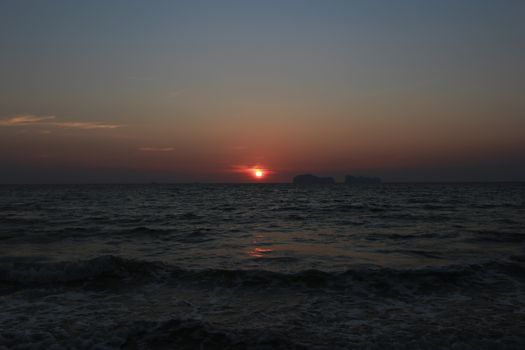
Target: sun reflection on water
[259, 252]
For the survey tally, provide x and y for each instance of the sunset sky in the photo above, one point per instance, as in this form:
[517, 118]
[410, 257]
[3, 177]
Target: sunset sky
[184, 91]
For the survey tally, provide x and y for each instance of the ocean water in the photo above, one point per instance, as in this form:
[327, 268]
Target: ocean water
[262, 266]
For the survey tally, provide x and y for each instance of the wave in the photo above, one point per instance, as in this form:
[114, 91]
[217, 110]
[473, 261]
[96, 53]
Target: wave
[172, 333]
[107, 269]
[103, 267]
[384, 281]
[496, 236]
[145, 231]
[195, 334]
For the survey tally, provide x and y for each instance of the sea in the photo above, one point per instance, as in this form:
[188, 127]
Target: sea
[263, 266]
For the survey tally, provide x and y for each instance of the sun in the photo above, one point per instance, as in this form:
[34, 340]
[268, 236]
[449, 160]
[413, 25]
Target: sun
[258, 173]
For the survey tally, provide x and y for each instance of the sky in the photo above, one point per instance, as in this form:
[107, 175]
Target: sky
[206, 91]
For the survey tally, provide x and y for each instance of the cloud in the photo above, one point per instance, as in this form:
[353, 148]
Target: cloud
[25, 120]
[86, 125]
[156, 149]
[28, 119]
[249, 169]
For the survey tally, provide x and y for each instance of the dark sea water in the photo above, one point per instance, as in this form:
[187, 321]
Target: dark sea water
[397, 266]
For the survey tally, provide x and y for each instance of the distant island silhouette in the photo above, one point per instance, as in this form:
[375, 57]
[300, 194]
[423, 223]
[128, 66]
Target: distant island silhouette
[309, 179]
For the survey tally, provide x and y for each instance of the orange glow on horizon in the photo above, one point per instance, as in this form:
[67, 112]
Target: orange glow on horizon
[254, 172]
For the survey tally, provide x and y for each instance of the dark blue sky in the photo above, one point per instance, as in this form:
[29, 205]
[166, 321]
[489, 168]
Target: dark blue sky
[196, 90]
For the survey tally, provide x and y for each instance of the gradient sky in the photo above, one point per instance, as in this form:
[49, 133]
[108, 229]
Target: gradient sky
[169, 91]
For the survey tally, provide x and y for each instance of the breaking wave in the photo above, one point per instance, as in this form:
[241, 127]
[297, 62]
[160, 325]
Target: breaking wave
[109, 269]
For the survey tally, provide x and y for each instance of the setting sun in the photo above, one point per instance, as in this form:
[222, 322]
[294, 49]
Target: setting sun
[256, 172]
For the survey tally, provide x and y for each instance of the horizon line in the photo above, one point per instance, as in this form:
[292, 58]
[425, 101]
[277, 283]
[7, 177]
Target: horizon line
[256, 183]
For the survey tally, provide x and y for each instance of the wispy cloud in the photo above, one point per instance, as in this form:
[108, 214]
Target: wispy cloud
[28, 119]
[25, 120]
[249, 169]
[86, 125]
[156, 149]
